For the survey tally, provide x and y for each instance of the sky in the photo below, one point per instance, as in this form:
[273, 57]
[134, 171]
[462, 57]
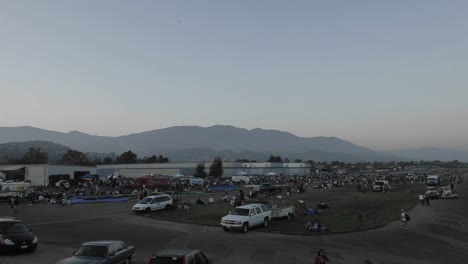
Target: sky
[382, 74]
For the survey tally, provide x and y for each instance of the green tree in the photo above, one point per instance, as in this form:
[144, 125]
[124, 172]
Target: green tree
[152, 159]
[275, 159]
[74, 157]
[126, 158]
[200, 170]
[163, 159]
[216, 169]
[34, 156]
[108, 160]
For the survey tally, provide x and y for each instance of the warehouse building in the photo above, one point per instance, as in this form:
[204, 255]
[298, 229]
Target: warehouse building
[43, 174]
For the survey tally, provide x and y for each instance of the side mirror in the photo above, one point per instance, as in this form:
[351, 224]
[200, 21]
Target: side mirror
[230, 212]
[252, 214]
[111, 254]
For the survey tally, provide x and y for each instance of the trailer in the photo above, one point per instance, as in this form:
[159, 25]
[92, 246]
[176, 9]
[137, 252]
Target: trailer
[10, 189]
[283, 211]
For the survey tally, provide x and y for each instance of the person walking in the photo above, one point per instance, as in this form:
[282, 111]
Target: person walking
[404, 219]
[426, 197]
[321, 257]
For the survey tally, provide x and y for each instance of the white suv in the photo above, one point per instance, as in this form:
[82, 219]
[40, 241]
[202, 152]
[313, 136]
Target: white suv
[152, 203]
[247, 216]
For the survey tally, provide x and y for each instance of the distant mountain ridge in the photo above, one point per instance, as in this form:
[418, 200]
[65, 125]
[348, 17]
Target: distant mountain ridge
[431, 153]
[194, 143]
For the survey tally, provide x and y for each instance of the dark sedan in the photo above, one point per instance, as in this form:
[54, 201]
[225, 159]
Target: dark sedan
[101, 252]
[16, 236]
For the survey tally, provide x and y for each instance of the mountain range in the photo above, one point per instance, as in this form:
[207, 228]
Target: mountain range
[194, 144]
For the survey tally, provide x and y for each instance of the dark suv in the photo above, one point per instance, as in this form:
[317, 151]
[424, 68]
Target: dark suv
[179, 256]
[15, 235]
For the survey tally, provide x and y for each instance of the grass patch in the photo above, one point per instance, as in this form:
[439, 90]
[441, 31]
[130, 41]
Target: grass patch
[346, 204]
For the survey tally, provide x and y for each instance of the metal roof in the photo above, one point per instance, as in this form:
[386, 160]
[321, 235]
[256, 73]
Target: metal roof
[12, 168]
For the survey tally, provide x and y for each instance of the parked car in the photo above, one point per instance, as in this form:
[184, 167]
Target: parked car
[247, 216]
[15, 235]
[153, 203]
[179, 256]
[431, 193]
[102, 252]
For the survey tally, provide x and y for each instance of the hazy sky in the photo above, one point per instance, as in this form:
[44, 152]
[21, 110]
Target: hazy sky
[382, 74]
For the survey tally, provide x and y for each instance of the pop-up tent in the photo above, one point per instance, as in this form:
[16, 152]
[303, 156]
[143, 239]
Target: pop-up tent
[271, 174]
[87, 176]
[242, 173]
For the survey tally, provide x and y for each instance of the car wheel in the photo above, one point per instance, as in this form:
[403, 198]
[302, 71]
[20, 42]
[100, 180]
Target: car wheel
[168, 206]
[265, 222]
[148, 210]
[245, 227]
[225, 229]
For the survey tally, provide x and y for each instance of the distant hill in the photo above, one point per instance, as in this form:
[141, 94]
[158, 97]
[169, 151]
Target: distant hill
[194, 143]
[16, 150]
[431, 154]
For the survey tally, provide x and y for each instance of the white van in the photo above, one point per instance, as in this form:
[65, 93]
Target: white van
[380, 186]
[433, 180]
[153, 203]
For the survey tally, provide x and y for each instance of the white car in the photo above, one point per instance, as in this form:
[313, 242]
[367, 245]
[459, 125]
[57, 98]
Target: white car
[63, 183]
[247, 216]
[153, 203]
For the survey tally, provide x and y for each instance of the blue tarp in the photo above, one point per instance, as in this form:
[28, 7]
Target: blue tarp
[226, 188]
[97, 199]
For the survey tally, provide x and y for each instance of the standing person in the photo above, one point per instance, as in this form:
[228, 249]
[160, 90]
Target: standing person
[421, 199]
[321, 258]
[11, 201]
[17, 202]
[426, 197]
[404, 219]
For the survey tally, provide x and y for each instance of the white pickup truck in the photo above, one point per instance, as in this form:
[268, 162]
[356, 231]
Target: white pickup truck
[447, 193]
[247, 216]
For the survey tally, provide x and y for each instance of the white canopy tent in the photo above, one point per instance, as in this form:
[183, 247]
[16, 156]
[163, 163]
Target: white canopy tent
[271, 174]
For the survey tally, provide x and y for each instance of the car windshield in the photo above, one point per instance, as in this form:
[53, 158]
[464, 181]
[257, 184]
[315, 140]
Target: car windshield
[168, 260]
[145, 201]
[6, 228]
[240, 211]
[92, 251]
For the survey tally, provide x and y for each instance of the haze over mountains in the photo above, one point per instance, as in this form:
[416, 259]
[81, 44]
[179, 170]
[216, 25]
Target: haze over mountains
[193, 144]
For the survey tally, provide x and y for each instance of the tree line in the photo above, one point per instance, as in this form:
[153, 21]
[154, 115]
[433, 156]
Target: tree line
[75, 157]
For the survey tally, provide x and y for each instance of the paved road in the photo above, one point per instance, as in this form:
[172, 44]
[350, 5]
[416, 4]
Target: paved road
[437, 234]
